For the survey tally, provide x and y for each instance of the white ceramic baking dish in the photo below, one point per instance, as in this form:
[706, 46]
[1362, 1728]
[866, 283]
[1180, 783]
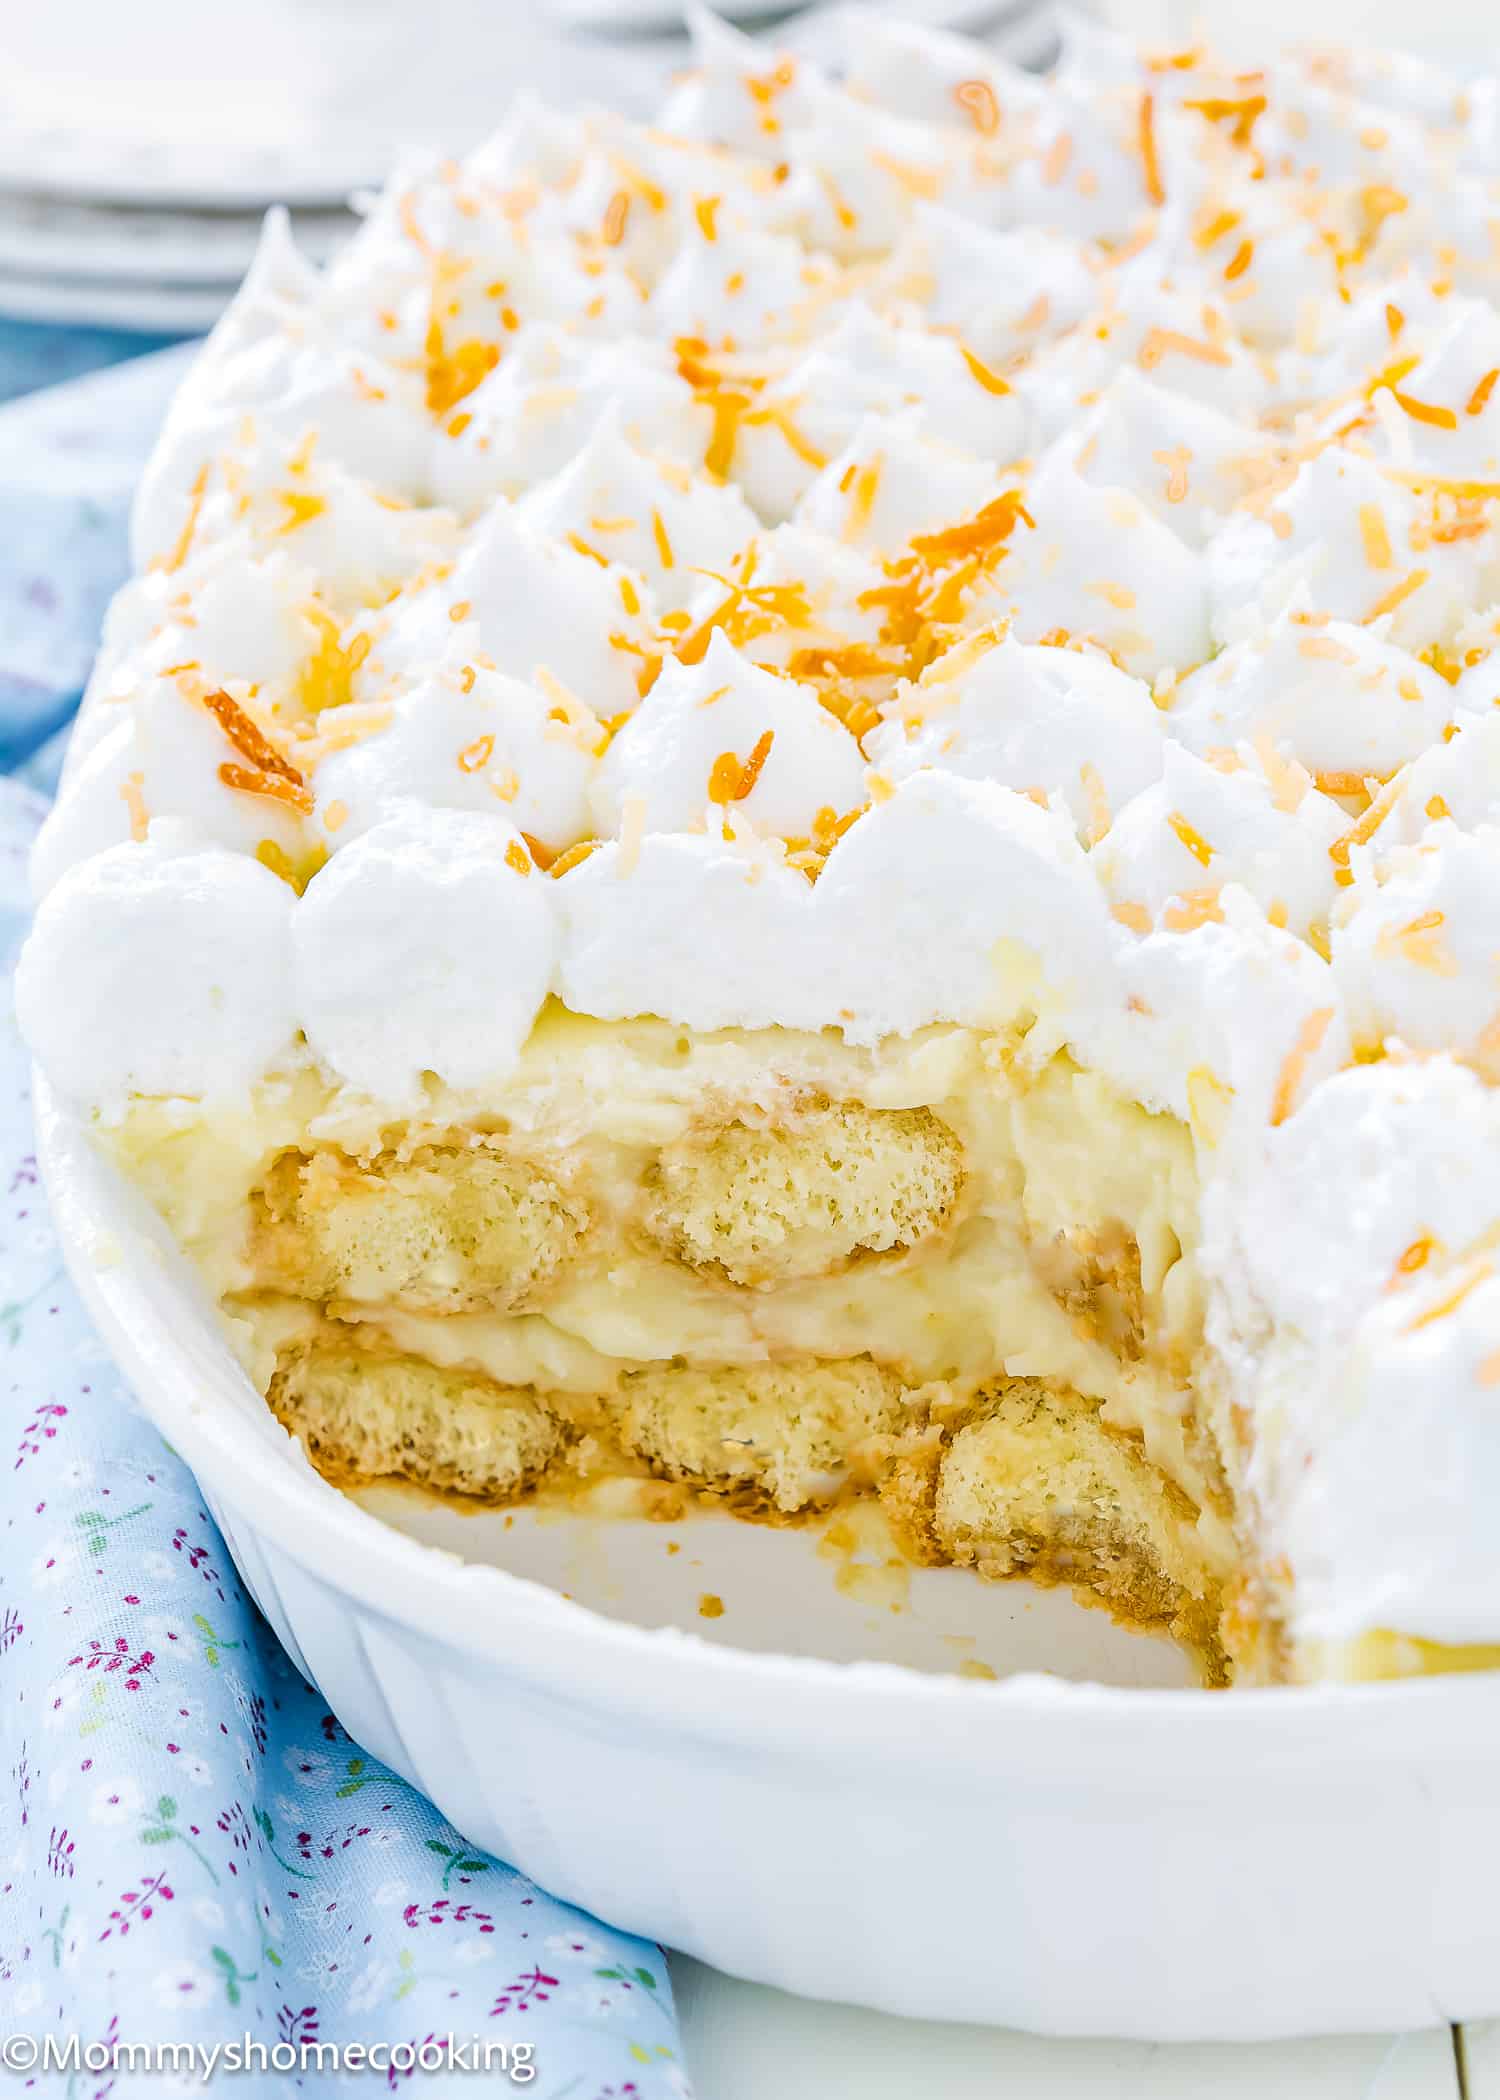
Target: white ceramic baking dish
[1071, 1857]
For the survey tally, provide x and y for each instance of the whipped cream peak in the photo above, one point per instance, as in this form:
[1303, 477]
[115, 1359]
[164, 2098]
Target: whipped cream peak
[938, 78]
[163, 758]
[800, 602]
[1043, 720]
[1416, 944]
[1002, 292]
[1099, 566]
[1455, 781]
[1347, 704]
[160, 967]
[893, 481]
[262, 489]
[1411, 1399]
[870, 365]
[528, 603]
[467, 926]
[467, 740]
[1186, 462]
[722, 738]
[537, 144]
[1364, 1188]
[527, 419]
[1255, 822]
[738, 95]
[615, 505]
[1229, 1026]
[730, 283]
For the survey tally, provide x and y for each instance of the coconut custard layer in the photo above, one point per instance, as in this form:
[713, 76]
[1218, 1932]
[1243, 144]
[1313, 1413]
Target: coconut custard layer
[768, 1264]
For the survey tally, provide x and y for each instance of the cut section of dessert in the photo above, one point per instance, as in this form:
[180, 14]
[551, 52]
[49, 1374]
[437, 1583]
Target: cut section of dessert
[772, 1266]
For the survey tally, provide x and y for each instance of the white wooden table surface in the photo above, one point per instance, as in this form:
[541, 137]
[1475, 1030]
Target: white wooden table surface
[743, 2042]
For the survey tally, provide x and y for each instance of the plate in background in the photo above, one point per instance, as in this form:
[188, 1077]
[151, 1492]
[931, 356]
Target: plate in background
[664, 17]
[1025, 32]
[770, 17]
[154, 309]
[57, 237]
[101, 103]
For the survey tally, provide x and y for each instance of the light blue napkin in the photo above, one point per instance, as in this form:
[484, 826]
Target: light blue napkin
[191, 1849]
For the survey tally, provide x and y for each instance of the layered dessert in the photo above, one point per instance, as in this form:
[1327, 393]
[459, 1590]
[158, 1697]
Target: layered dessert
[801, 807]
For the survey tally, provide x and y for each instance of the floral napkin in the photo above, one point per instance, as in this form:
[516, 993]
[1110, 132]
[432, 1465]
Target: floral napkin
[191, 1848]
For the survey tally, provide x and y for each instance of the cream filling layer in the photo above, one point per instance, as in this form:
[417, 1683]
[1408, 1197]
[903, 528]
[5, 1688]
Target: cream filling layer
[1052, 1161]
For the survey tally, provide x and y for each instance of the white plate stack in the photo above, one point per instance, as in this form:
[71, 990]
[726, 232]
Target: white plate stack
[140, 146]
[113, 264]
